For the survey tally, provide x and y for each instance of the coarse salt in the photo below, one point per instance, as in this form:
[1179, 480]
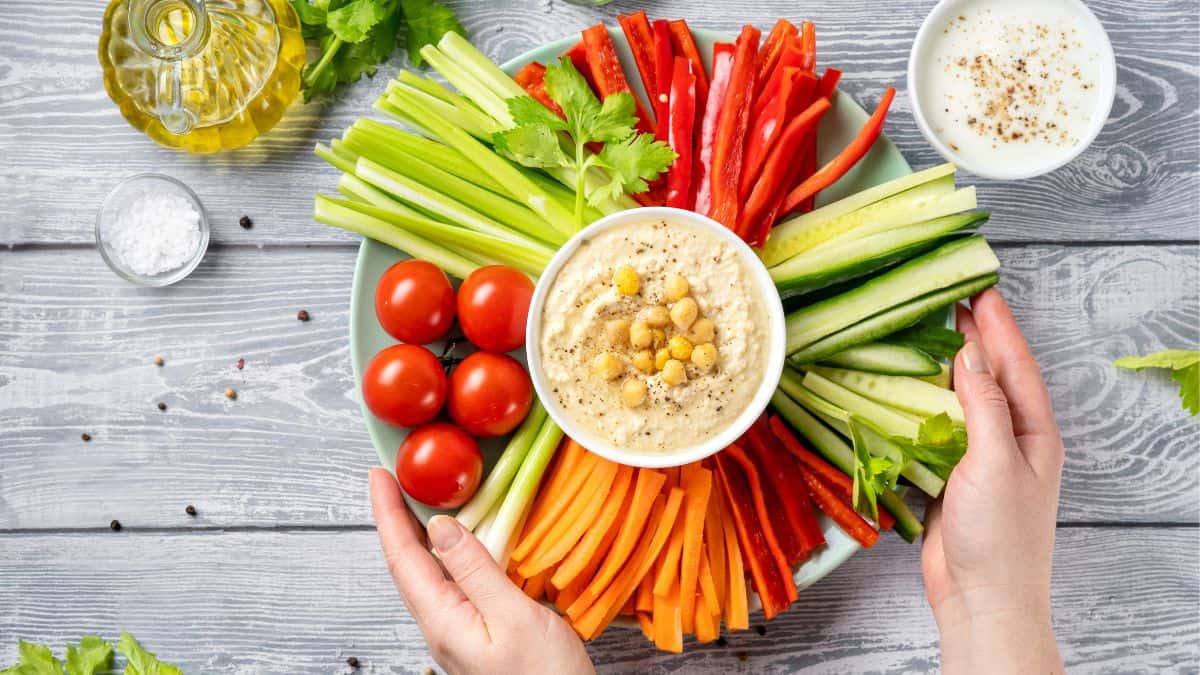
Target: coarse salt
[154, 232]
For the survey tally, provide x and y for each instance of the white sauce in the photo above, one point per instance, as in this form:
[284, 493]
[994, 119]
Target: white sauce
[1011, 83]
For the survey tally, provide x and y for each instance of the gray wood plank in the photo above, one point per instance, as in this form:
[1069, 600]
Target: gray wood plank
[76, 350]
[65, 145]
[251, 602]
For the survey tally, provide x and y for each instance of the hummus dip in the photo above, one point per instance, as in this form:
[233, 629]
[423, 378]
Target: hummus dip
[704, 364]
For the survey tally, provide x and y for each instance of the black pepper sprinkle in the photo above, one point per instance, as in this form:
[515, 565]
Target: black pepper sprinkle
[115, 525]
[162, 406]
[761, 630]
[722, 642]
[245, 222]
[302, 315]
[743, 656]
[353, 662]
[86, 437]
[190, 510]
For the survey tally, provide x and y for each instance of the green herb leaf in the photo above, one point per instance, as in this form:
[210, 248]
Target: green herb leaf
[633, 162]
[93, 655]
[1185, 365]
[142, 662]
[428, 21]
[34, 659]
[528, 110]
[872, 474]
[571, 92]
[940, 444]
[353, 21]
[534, 145]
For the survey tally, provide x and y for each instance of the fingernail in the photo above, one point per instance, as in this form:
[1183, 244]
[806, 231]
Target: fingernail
[974, 359]
[444, 533]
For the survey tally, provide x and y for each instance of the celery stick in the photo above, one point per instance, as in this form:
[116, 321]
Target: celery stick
[479, 246]
[515, 217]
[478, 125]
[485, 524]
[496, 484]
[338, 161]
[522, 491]
[428, 86]
[519, 186]
[464, 109]
[466, 82]
[460, 50]
[382, 136]
[356, 188]
[334, 212]
[448, 209]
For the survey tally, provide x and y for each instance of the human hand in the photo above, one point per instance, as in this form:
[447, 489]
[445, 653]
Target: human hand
[473, 617]
[989, 541]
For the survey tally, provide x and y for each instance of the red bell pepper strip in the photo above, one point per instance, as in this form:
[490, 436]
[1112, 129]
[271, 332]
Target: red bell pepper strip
[795, 95]
[578, 56]
[772, 49]
[846, 159]
[808, 46]
[739, 457]
[760, 562]
[685, 45]
[641, 42]
[829, 82]
[664, 69]
[790, 59]
[842, 484]
[532, 79]
[701, 176]
[607, 72]
[794, 522]
[755, 223]
[841, 513]
[682, 117]
[729, 148]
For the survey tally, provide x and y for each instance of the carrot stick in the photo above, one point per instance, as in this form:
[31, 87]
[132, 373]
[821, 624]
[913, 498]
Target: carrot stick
[737, 612]
[714, 540]
[557, 502]
[696, 488]
[842, 514]
[756, 491]
[708, 589]
[564, 462]
[589, 547]
[646, 624]
[551, 592]
[535, 586]
[623, 546]
[668, 620]
[597, 617]
[514, 577]
[581, 506]
[627, 609]
[706, 628]
[645, 590]
[668, 567]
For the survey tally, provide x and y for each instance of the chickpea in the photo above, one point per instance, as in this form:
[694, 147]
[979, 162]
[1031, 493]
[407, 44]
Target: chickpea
[673, 373]
[703, 330]
[626, 280]
[608, 366]
[639, 335]
[633, 392]
[656, 316]
[704, 356]
[680, 348]
[677, 287]
[617, 332]
[684, 313]
[644, 361]
[661, 357]
[660, 338]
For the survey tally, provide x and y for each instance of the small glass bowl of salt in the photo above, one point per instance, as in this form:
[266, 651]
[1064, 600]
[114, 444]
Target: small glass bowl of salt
[152, 230]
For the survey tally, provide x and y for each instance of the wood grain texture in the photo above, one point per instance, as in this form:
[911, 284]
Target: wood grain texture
[76, 356]
[65, 145]
[1123, 601]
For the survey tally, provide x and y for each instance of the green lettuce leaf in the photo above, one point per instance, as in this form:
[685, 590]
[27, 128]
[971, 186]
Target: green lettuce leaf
[1185, 367]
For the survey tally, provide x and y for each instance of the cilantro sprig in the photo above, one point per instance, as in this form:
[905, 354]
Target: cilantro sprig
[541, 139]
[1185, 369]
[356, 35]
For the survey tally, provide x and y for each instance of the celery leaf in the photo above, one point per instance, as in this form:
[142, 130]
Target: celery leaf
[1185, 367]
[142, 662]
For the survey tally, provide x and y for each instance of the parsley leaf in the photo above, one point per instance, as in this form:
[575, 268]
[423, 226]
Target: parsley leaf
[1185, 367]
[536, 139]
[428, 21]
[142, 662]
[872, 474]
[939, 445]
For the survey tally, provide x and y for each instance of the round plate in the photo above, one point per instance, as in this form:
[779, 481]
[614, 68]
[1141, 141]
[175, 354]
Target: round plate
[839, 126]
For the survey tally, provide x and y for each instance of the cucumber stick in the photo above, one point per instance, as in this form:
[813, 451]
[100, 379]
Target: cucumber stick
[887, 359]
[890, 421]
[891, 320]
[906, 393]
[841, 260]
[831, 446]
[958, 261]
[940, 379]
[793, 235]
[927, 208]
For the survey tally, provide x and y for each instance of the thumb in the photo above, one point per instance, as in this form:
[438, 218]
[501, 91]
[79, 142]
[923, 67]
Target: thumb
[989, 423]
[474, 570]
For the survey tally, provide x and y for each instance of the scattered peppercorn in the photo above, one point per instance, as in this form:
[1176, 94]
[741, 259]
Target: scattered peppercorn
[158, 361]
[230, 393]
[352, 662]
[241, 363]
[162, 406]
[245, 222]
[743, 656]
[115, 525]
[190, 510]
[761, 630]
[303, 315]
[86, 437]
[721, 641]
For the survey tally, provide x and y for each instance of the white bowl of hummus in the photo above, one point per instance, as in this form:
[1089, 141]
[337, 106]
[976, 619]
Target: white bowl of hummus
[655, 337]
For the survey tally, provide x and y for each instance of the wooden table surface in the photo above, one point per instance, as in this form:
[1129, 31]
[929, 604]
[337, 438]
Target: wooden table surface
[280, 571]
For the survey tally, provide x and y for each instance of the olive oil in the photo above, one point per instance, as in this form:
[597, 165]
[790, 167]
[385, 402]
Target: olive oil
[202, 75]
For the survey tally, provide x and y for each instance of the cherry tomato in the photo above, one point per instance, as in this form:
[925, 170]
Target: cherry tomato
[489, 394]
[493, 303]
[404, 385]
[439, 465]
[414, 302]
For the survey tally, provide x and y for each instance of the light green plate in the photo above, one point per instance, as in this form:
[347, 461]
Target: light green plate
[839, 126]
